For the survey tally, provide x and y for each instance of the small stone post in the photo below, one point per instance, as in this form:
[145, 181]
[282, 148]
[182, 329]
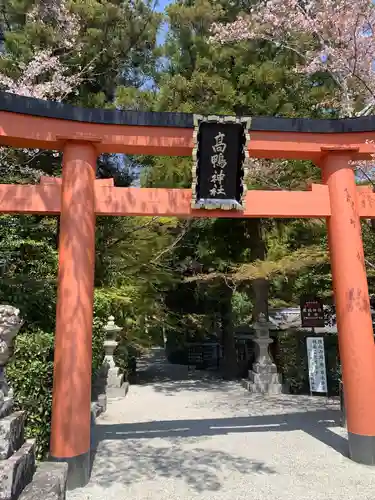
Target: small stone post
[10, 324]
[114, 380]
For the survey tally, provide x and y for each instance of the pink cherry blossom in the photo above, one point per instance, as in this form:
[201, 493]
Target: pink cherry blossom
[334, 36]
[45, 75]
[56, 13]
[45, 68]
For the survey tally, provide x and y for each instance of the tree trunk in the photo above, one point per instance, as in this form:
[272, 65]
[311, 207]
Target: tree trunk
[260, 285]
[230, 364]
[255, 232]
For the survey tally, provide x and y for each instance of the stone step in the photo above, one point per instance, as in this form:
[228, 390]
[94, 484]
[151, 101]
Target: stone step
[11, 433]
[258, 388]
[119, 392]
[17, 471]
[268, 378]
[49, 482]
[267, 388]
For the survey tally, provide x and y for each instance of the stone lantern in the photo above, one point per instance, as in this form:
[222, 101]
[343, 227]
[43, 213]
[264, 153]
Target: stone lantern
[263, 340]
[263, 378]
[110, 343]
[112, 330]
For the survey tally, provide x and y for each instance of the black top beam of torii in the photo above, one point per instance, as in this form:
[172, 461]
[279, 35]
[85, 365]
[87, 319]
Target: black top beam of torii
[51, 109]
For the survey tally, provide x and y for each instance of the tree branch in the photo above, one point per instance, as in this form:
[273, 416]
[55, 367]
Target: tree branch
[174, 244]
[125, 236]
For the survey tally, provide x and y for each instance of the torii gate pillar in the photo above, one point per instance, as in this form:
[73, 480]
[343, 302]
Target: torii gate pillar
[355, 332]
[71, 407]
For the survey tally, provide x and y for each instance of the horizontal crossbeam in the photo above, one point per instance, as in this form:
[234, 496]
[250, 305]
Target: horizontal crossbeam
[46, 199]
[32, 123]
[26, 131]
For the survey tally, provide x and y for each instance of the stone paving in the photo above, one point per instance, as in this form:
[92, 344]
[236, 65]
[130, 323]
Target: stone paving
[185, 436]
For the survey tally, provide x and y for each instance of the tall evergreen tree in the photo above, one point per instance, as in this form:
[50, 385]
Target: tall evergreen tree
[77, 51]
[253, 78]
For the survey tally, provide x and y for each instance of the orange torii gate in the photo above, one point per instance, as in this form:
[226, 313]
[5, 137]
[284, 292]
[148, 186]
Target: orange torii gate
[83, 134]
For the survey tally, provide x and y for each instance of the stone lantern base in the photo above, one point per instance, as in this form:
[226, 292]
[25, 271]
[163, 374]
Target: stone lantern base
[263, 377]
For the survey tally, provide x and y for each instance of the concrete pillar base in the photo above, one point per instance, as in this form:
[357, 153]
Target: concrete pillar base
[361, 449]
[78, 470]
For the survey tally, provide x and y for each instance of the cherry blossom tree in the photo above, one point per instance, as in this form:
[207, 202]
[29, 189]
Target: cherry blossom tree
[334, 37]
[44, 75]
[72, 50]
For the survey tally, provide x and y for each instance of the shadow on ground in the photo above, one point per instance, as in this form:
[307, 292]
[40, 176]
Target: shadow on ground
[132, 452]
[154, 370]
[138, 461]
[315, 423]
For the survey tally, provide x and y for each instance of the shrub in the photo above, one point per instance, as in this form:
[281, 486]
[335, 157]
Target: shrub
[125, 357]
[30, 374]
[291, 360]
[35, 299]
[98, 337]
[110, 301]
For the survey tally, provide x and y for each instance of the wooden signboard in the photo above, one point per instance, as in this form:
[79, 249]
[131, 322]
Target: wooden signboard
[312, 314]
[219, 162]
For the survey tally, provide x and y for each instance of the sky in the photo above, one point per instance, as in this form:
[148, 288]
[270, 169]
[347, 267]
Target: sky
[161, 5]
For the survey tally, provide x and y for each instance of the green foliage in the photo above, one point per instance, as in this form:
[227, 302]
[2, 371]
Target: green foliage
[30, 374]
[125, 357]
[110, 301]
[28, 267]
[98, 338]
[252, 78]
[116, 43]
[291, 360]
[116, 47]
[241, 308]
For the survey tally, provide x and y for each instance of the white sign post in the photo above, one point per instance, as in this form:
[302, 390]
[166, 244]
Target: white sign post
[317, 364]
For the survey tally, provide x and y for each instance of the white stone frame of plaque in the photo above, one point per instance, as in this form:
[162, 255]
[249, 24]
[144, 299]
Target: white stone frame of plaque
[213, 203]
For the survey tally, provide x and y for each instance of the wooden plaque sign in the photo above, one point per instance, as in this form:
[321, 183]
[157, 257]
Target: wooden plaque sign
[219, 162]
[312, 314]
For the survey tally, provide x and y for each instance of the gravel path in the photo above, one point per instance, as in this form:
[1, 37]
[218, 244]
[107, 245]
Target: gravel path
[180, 436]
